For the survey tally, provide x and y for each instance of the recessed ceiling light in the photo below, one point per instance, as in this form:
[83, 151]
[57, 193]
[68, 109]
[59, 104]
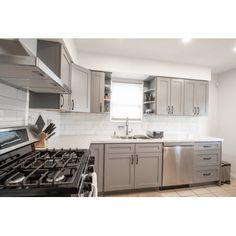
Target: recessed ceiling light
[186, 40]
[234, 49]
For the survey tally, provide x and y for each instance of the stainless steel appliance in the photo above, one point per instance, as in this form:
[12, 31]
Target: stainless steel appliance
[25, 171]
[177, 164]
[225, 172]
[20, 70]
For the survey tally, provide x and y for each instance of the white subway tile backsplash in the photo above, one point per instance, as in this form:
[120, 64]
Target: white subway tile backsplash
[54, 116]
[13, 106]
[95, 124]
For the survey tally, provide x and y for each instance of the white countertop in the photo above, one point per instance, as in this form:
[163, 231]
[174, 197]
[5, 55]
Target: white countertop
[84, 141]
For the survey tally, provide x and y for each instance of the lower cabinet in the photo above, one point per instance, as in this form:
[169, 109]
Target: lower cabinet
[119, 172]
[135, 166]
[147, 170]
[97, 150]
[206, 174]
[207, 162]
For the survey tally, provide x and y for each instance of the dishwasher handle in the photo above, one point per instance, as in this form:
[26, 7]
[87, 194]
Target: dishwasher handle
[178, 146]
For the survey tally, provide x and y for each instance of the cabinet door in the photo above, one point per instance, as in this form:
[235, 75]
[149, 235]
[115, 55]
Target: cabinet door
[65, 67]
[97, 91]
[80, 84]
[119, 172]
[65, 76]
[163, 96]
[202, 97]
[97, 150]
[189, 97]
[147, 170]
[177, 96]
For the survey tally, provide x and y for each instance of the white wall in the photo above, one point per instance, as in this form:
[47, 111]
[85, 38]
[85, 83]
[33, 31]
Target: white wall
[141, 66]
[226, 126]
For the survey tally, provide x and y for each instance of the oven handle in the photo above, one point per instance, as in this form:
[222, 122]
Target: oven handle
[94, 184]
[94, 191]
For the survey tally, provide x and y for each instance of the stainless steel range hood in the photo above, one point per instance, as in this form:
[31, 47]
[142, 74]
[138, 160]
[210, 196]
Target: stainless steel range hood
[27, 72]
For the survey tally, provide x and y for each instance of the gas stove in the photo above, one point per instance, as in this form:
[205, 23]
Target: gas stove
[25, 171]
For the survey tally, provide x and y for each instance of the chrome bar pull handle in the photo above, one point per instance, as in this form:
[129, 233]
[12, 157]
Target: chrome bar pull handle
[132, 159]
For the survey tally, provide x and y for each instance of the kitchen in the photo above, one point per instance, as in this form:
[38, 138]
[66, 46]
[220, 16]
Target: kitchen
[117, 117]
[140, 127]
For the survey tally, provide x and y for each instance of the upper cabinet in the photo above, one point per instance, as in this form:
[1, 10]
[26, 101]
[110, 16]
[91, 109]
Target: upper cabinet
[196, 98]
[97, 91]
[170, 96]
[81, 85]
[55, 56]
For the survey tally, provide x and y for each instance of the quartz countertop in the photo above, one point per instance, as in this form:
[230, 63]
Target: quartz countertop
[84, 141]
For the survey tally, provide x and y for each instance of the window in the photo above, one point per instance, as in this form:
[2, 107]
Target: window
[126, 100]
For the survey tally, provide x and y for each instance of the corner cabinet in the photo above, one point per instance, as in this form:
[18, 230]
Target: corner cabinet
[196, 98]
[132, 166]
[97, 91]
[81, 85]
[170, 96]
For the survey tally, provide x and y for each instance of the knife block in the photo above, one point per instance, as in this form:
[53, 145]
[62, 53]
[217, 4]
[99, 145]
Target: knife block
[42, 143]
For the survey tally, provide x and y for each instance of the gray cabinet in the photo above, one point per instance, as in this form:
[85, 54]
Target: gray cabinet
[163, 96]
[65, 76]
[177, 96]
[207, 162]
[80, 82]
[202, 97]
[97, 150]
[55, 56]
[170, 96]
[97, 91]
[196, 97]
[119, 172]
[147, 170]
[132, 166]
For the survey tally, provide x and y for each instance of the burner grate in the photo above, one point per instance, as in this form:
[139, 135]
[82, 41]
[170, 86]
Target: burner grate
[42, 169]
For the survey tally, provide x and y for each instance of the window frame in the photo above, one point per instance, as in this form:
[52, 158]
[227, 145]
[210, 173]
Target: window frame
[128, 81]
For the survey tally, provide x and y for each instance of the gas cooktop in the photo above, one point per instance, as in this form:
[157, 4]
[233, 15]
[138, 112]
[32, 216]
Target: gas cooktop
[52, 172]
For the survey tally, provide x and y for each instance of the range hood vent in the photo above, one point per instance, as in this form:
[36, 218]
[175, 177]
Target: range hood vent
[22, 71]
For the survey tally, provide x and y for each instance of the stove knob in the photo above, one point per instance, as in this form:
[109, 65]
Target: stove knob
[87, 187]
[91, 160]
[88, 178]
[90, 169]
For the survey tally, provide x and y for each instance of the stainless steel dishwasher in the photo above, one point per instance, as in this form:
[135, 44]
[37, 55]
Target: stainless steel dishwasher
[178, 164]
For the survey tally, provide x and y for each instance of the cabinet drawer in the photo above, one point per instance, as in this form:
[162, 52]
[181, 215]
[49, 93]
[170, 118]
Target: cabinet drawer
[207, 146]
[206, 174]
[119, 148]
[148, 147]
[206, 158]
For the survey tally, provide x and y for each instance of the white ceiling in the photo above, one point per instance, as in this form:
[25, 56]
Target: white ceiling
[217, 54]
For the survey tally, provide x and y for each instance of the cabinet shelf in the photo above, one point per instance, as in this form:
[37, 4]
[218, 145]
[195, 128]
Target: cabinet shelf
[149, 91]
[149, 102]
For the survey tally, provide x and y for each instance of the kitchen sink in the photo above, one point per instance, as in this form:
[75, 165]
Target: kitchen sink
[132, 137]
[127, 137]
